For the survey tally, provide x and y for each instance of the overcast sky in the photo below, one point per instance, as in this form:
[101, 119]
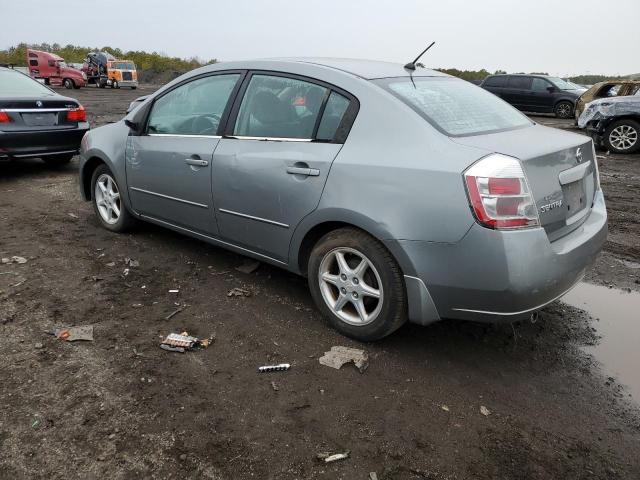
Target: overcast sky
[562, 37]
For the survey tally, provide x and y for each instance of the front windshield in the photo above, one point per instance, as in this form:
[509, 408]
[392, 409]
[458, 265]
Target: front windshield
[62, 64]
[16, 84]
[561, 84]
[455, 107]
[124, 65]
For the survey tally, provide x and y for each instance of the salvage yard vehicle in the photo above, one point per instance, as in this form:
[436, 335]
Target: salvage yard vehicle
[535, 93]
[53, 69]
[103, 69]
[400, 193]
[37, 122]
[608, 89]
[613, 123]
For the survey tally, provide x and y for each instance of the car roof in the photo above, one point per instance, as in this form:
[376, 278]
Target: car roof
[367, 69]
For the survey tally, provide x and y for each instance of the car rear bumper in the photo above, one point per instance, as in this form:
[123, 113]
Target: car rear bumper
[29, 144]
[495, 275]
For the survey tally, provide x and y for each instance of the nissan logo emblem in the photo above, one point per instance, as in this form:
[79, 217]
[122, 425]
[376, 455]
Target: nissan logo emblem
[579, 155]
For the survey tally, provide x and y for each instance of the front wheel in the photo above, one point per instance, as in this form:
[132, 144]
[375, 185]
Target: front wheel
[68, 83]
[622, 136]
[107, 202]
[563, 109]
[357, 284]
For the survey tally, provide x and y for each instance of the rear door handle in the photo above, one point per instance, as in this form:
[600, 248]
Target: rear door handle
[196, 162]
[309, 172]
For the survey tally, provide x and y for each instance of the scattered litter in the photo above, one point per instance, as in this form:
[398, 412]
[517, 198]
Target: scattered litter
[137, 305]
[125, 272]
[72, 334]
[274, 368]
[132, 263]
[137, 353]
[444, 407]
[174, 291]
[72, 215]
[373, 476]
[111, 264]
[238, 292]
[97, 279]
[274, 386]
[181, 342]
[14, 259]
[248, 267]
[174, 313]
[39, 345]
[338, 356]
[484, 411]
[328, 458]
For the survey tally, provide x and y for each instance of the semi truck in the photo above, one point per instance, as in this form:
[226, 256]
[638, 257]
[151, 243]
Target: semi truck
[53, 70]
[103, 69]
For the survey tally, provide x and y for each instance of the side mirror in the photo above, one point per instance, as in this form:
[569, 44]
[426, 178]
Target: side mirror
[551, 89]
[132, 125]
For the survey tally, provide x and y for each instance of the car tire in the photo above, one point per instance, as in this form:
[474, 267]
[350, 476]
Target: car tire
[622, 136]
[347, 268]
[58, 160]
[110, 210]
[68, 83]
[563, 109]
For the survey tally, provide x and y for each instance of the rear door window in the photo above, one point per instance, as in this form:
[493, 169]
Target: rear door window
[333, 116]
[279, 107]
[194, 108]
[500, 81]
[519, 82]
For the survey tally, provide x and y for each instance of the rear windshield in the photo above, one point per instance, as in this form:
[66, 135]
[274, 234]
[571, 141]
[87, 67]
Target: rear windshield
[15, 83]
[455, 107]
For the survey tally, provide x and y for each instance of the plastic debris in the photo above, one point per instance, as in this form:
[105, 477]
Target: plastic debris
[174, 290]
[274, 368]
[328, 457]
[238, 292]
[180, 342]
[14, 259]
[132, 263]
[444, 407]
[484, 411]
[274, 386]
[248, 267]
[373, 476]
[72, 334]
[111, 264]
[72, 215]
[338, 356]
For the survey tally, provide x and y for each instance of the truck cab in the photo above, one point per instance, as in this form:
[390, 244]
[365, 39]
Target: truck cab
[53, 70]
[122, 73]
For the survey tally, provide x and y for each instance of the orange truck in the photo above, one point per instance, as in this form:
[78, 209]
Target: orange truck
[103, 69]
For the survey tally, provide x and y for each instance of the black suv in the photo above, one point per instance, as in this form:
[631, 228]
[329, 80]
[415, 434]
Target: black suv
[535, 93]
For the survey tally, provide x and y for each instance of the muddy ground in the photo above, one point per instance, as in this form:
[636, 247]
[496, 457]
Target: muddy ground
[120, 407]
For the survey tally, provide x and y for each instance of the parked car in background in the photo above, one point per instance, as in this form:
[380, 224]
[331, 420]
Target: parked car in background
[302, 163]
[53, 69]
[535, 93]
[614, 123]
[35, 121]
[608, 89]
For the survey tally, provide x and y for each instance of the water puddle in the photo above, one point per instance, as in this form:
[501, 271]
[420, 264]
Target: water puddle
[619, 348]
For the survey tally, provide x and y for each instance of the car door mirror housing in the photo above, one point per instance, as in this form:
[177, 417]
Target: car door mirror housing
[135, 120]
[551, 89]
[131, 124]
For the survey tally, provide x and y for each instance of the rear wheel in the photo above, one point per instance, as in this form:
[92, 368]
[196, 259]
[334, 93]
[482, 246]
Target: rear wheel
[68, 83]
[623, 136]
[563, 109]
[107, 202]
[357, 285]
[58, 160]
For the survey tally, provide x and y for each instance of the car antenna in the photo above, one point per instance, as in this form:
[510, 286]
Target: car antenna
[412, 65]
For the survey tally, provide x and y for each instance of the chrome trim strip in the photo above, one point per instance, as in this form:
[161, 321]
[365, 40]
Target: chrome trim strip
[169, 198]
[269, 139]
[251, 217]
[181, 135]
[44, 154]
[573, 174]
[35, 110]
[507, 314]
[213, 239]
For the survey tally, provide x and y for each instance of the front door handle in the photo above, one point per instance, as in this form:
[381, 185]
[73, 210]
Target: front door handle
[309, 172]
[196, 162]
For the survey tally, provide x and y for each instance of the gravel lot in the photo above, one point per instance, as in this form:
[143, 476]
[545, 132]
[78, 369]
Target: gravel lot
[120, 407]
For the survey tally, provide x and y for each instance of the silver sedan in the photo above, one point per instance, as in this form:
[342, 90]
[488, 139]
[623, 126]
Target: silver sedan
[401, 194]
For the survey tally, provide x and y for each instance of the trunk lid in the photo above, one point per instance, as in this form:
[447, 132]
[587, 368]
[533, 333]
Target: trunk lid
[37, 113]
[560, 169]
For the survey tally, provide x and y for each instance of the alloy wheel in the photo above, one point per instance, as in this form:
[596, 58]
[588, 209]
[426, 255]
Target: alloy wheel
[623, 137]
[107, 198]
[564, 110]
[351, 286]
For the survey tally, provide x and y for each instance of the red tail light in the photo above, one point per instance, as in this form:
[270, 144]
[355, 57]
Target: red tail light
[499, 193]
[4, 118]
[77, 114]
